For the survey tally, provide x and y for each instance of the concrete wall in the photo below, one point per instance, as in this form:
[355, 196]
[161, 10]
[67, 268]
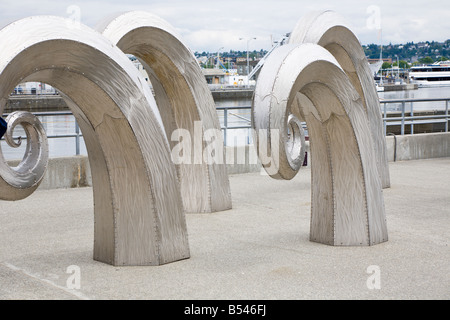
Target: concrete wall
[68, 172]
[232, 94]
[400, 87]
[244, 159]
[74, 172]
[35, 104]
[418, 146]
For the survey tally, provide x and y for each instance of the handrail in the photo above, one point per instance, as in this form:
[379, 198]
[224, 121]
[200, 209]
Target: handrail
[413, 100]
[225, 126]
[406, 118]
[77, 135]
[413, 119]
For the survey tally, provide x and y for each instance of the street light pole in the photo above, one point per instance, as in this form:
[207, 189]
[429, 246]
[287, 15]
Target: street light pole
[398, 67]
[248, 63]
[218, 55]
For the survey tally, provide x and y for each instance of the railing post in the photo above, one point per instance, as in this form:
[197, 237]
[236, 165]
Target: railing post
[225, 124]
[393, 120]
[403, 119]
[446, 115]
[77, 139]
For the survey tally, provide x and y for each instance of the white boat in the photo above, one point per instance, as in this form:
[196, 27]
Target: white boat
[434, 75]
[374, 68]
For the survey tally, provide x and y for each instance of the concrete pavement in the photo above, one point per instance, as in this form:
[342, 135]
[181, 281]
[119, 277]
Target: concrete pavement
[258, 250]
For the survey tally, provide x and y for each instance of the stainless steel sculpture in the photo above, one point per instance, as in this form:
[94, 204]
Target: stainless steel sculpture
[139, 216]
[140, 195]
[18, 183]
[306, 82]
[330, 30]
[182, 96]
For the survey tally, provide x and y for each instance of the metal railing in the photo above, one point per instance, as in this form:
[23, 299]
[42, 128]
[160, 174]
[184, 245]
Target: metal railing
[230, 115]
[19, 92]
[77, 135]
[407, 118]
[226, 117]
[230, 87]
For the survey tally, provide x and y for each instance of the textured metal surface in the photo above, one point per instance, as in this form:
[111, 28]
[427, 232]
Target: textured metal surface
[19, 182]
[139, 217]
[183, 98]
[308, 82]
[330, 30]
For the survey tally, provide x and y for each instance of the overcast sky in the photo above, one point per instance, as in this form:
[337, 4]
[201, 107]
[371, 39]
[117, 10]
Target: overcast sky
[210, 25]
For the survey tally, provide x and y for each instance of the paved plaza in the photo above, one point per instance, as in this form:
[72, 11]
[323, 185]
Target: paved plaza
[258, 250]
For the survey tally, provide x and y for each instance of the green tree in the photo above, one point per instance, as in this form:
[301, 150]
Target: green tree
[386, 65]
[404, 64]
[426, 60]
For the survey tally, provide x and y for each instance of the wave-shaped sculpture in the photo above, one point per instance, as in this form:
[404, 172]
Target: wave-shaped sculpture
[19, 182]
[306, 82]
[139, 216]
[182, 96]
[139, 204]
[331, 31]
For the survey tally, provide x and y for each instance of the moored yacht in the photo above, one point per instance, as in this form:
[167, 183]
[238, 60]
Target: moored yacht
[434, 75]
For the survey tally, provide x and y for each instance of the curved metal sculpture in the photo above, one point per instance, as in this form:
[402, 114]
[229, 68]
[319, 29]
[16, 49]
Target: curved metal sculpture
[138, 202]
[306, 82]
[330, 30]
[183, 98]
[139, 217]
[19, 182]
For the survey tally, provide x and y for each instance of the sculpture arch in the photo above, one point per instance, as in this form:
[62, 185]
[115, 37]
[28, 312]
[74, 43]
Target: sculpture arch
[136, 223]
[330, 30]
[138, 202]
[307, 82]
[182, 96]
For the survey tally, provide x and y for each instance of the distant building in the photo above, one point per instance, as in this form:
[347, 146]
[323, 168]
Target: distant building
[34, 88]
[388, 60]
[220, 78]
[414, 59]
[141, 69]
[241, 65]
[214, 76]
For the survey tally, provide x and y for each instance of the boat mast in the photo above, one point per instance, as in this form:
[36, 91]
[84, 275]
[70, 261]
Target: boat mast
[381, 57]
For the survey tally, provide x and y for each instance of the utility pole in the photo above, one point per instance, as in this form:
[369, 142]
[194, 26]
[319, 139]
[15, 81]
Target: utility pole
[218, 56]
[398, 68]
[248, 63]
